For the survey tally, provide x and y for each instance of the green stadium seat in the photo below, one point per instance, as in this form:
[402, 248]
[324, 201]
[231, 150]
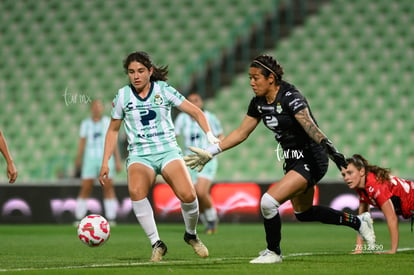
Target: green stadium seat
[342, 63]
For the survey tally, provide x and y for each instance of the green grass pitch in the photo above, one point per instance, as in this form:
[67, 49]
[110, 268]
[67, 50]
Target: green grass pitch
[308, 248]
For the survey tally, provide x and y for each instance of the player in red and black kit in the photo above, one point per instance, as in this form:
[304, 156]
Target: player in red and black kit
[284, 110]
[375, 186]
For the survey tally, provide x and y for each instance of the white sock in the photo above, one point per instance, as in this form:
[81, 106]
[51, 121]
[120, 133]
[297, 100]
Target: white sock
[111, 206]
[190, 215]
[81, 208]
[202, 219]
[211, 214]
[145, 215]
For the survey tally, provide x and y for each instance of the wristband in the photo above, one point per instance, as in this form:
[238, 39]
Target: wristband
[211, 138]
[214, 149]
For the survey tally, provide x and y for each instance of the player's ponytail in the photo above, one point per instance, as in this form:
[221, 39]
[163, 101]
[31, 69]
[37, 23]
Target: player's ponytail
[269, 66]
[382, 174]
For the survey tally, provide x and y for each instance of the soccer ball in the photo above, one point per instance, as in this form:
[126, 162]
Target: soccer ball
[93, 230]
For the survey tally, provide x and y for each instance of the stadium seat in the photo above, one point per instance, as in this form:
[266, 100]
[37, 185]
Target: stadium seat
[355, 68]
[357, 87]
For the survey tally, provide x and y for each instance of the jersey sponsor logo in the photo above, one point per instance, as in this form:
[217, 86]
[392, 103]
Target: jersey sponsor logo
[146, 116]
[296, 104]
[405, 185]
[156, 134]
[267, 109]
[131, 107]
[97, 135]
[271, 122]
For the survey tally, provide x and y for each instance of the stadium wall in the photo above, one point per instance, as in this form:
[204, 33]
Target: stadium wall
[235, 202]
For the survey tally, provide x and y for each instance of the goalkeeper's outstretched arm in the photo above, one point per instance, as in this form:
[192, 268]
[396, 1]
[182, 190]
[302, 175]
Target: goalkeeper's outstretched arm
[310, 127]
[237, 136]
[240, 134]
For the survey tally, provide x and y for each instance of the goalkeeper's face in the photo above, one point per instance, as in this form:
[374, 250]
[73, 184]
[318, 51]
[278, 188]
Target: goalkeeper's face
[259, 83]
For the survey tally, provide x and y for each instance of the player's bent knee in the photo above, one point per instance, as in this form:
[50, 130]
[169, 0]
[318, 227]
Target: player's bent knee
[269, 206]
[186, 198]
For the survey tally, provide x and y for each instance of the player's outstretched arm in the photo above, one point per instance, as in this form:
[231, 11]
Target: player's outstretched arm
[237, 136]
[198, 115]
[310, 127]
[11, 168]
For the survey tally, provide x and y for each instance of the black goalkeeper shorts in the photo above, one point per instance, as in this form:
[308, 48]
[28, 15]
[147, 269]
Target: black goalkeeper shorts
[311, 162]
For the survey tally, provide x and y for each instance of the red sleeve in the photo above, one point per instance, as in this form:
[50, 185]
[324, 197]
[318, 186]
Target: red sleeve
[380, 192]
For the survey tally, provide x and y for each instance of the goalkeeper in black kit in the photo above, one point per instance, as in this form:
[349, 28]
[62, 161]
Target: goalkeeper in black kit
[286, 112]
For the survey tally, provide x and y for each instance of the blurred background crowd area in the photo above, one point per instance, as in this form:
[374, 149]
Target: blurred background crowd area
[352, 59]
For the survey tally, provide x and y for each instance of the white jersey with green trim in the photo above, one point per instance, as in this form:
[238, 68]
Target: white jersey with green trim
[192, 133]
[147, 121]
[94, 132]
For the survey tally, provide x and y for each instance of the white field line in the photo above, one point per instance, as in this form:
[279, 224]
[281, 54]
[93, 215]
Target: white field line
[292, 255]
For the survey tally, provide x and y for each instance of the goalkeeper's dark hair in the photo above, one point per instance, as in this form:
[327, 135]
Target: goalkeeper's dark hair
[381, 174]
[159, 73]
[269, 66]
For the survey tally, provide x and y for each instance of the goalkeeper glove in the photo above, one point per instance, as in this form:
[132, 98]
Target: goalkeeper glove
[201, 156]
[334, 154]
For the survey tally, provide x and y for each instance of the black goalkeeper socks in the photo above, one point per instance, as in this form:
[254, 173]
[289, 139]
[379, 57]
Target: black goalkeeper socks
[273, 233]
[329, 216]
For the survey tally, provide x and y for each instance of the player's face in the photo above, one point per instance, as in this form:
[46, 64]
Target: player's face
[196, 100]
[139, 75]
[96, 109]
[353, 177]
[259, 83]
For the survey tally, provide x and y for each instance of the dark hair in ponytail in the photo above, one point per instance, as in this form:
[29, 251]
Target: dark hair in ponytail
[159, 73]
[381, 174]
[269, 66]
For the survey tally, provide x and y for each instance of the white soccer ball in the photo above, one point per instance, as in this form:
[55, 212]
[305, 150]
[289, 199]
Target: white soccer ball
[94, 230]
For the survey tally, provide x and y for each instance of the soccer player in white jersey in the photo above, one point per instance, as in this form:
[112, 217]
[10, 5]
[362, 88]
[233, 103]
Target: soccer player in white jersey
[89, 157]
[193, 135]
[144, 105]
